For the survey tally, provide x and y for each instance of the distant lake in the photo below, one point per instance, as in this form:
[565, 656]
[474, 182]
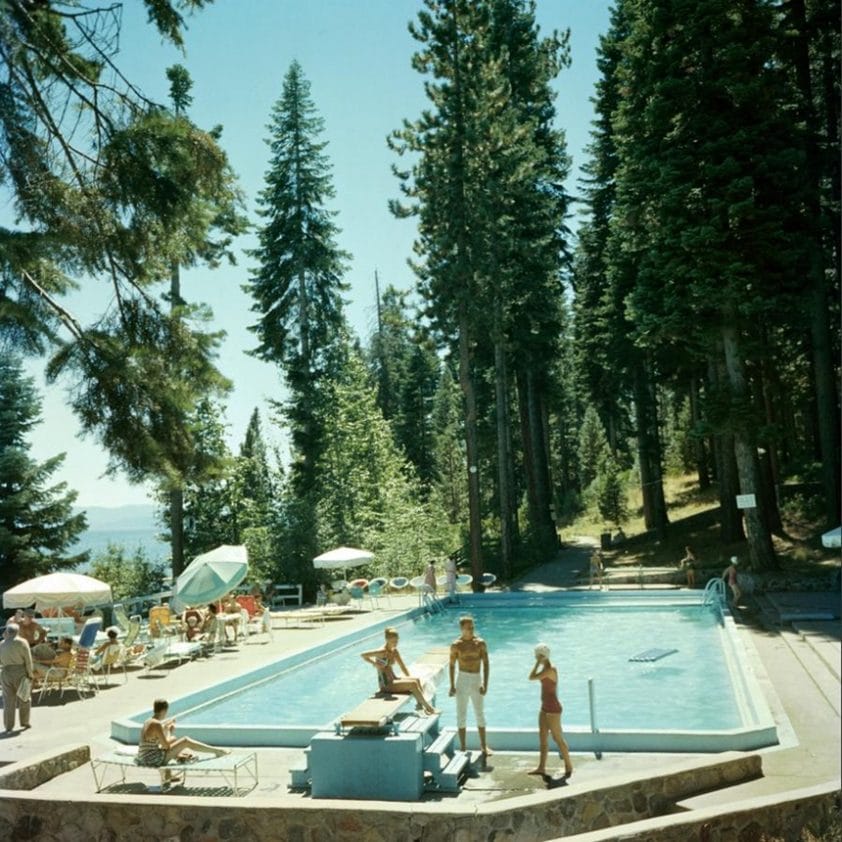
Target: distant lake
[97, 541]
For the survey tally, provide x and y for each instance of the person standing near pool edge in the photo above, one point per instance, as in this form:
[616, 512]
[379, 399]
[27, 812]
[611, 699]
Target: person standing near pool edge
[549, 717]
[471, 654]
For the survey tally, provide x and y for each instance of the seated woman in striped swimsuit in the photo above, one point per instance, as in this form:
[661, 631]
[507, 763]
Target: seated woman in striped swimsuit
[383, 660]
[158, 745]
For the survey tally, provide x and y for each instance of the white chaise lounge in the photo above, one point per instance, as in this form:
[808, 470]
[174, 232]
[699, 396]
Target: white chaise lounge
[238, 769]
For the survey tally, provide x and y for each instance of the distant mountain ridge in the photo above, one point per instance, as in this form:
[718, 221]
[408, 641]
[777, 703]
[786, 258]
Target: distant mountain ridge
[104, 518]
[132, 527]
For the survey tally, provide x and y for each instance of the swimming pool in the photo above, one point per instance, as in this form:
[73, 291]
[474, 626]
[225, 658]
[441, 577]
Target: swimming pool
[704, 697]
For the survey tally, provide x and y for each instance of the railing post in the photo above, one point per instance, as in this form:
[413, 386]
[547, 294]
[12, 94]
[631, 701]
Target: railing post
[594, 727]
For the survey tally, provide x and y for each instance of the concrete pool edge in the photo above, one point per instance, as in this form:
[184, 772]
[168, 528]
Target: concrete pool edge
[759, 727]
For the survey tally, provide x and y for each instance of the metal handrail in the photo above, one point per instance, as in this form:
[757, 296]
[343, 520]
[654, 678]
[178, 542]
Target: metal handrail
[714, 589]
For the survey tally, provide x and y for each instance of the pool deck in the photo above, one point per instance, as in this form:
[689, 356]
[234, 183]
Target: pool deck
[798, 663]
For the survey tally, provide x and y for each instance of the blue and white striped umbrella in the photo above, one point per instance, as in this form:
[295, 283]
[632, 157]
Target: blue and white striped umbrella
[211, 575]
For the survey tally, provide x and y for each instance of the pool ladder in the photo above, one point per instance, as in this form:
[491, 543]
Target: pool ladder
[431, 603]
[714, 592]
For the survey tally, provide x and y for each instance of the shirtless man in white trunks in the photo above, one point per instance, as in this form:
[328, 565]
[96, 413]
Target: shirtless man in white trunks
[471, 654]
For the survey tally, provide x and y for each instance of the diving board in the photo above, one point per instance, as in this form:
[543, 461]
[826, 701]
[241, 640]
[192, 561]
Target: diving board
[377, 711]
[651, 655]
[378, 752]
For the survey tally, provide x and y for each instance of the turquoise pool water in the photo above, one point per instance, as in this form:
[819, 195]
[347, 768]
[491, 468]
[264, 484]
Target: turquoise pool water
[704, 698]
[691, 690]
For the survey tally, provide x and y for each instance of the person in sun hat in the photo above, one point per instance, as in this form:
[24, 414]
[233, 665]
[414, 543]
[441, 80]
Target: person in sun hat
[730, 575]
[549, 717]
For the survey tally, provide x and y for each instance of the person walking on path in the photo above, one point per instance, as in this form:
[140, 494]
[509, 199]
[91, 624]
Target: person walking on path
[430, 576]
[450, 572]
[596, 568]
[16, 661]
[688, 565]
[549, 717]
[470, 653]
[730, 575]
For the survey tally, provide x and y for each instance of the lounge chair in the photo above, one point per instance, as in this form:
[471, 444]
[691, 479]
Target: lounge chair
[235, 769]
[357, 593]
[87, 637]
[161, 621]
[464, 580]
[120, 617]
[375, 591]
[130, 652]
[381, 583]
[262, 626]
[53, 679]
[79, 674]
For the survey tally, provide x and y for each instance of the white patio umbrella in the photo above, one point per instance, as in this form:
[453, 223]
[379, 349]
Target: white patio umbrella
[56, 590]
[341, 558]
[211, 575]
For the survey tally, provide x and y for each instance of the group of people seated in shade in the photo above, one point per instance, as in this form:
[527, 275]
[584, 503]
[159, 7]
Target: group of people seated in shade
[217, 619]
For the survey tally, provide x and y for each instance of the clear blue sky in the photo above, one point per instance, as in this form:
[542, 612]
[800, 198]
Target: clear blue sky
[356, 55]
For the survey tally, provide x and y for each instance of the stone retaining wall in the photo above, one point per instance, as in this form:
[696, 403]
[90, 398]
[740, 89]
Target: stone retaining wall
[541, 816]
[779, 817]
[34, 771]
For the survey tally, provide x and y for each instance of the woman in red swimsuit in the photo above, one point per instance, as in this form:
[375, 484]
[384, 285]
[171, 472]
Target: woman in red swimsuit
[549, 719]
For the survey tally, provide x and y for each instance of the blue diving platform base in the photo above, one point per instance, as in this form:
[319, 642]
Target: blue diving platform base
[400, 763]
[379, 753]
[387, 768]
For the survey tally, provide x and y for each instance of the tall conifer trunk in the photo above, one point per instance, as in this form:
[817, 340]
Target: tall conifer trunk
[728, 483]
[504, 457]
[761, 551]
[649, 453]
[827, 406]
[176, 494]
[699, 449]
[466, 382]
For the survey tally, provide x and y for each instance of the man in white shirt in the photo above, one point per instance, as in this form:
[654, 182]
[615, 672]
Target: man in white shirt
[16, 661]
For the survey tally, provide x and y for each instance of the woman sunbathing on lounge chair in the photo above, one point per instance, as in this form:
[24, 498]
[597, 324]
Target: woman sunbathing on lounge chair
[158, 745]
[383, 661]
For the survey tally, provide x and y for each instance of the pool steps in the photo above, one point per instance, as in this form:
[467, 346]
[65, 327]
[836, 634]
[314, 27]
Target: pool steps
[375, 735]
[444, 767]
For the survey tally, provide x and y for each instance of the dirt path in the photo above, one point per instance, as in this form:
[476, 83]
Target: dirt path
[573, 561]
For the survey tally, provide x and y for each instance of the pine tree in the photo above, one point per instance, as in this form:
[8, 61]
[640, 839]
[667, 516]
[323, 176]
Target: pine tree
[109, 199]
[593, 448]
[406, 369]
[37, 524]
[298, 283]
[367, 492]
[708, 192]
